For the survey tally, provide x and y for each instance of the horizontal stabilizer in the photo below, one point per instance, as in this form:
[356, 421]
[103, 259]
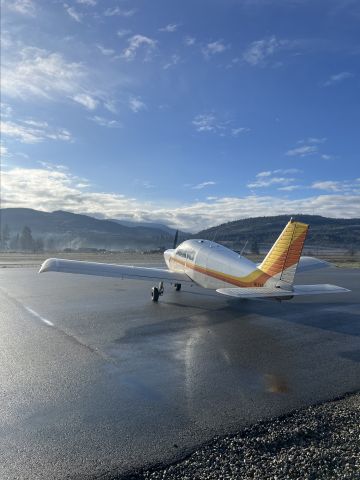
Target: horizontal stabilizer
[112, 270]
[307, 264]
[270, 292]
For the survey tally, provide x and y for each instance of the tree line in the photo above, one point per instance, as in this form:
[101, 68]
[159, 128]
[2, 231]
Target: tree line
[23, 241]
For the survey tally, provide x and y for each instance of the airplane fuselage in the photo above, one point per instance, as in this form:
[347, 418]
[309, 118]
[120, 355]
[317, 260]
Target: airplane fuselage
[214, 266]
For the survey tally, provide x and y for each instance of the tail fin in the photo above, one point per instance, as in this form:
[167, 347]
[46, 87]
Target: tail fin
[282, 260]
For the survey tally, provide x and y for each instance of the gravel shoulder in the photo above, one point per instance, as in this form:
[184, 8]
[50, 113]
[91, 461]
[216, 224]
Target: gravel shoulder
[318, 442]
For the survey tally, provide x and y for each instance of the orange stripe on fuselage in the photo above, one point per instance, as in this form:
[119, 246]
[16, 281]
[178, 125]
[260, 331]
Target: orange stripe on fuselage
[257, 278]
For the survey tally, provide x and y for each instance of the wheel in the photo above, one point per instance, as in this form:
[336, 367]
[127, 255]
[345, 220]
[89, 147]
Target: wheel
[155, 294]
[177, 286]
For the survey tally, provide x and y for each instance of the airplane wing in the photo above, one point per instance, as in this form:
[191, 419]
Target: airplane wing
[113, 270]
[269, 292]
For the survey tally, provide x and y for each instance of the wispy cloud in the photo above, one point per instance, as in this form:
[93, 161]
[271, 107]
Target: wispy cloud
[105, 122]
[170, 28]
[259, 52]
[240, 130]
[123, 32]
[189, 41]
[269, 181]
[208, 122]
[86, 100]
[89, 3]
[25, 7]
[337, 78]
[73, 13]
[214, 48]
[31, 131]
[117, 11]
[135, 43]
[202, 185]
[175, 59]
[136, 104]
[302, 151]
[268, 178]
[105, 51]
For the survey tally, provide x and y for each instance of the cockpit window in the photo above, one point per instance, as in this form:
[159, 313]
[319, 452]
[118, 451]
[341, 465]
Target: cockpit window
[188, 254]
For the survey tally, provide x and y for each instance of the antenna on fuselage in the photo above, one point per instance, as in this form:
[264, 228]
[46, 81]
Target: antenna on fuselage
[243, 248]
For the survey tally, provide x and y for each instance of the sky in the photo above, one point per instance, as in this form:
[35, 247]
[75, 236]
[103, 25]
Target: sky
[189, 113]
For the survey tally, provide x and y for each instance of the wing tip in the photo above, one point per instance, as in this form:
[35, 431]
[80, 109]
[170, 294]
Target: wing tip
[49, 265]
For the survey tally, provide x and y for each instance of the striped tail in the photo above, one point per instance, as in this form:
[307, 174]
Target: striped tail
[283, 258]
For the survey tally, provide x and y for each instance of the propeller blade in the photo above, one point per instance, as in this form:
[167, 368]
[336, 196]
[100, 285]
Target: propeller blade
[176, 239]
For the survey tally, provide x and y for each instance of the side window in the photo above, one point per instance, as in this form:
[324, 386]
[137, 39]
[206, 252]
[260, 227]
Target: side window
[190, 255]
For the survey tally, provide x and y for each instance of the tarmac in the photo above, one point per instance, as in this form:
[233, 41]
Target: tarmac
[98, 381]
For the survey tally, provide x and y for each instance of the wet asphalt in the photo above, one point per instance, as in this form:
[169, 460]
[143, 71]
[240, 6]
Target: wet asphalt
[96, 380]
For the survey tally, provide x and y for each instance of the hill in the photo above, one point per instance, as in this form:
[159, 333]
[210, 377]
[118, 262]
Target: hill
[324, 232]
[59, 230]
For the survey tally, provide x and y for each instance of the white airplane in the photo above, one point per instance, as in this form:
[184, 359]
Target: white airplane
[216, 267]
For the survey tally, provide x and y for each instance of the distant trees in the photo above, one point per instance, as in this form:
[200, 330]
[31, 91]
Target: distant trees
[5, 237]
[26, 240]
[23, 241]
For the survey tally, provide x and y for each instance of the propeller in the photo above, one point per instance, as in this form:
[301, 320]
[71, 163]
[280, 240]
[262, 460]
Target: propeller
[176, 239]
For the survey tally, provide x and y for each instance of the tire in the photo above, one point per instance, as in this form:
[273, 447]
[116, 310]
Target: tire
[177, 287]
[155, 294]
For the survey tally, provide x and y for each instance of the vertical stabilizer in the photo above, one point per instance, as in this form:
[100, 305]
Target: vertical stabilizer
[282, 260]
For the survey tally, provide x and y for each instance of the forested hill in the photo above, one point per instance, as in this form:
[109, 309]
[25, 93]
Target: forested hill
[324, 232]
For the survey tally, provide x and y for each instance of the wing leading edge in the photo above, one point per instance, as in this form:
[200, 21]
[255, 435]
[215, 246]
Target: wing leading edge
[112, 270]
[270, 292]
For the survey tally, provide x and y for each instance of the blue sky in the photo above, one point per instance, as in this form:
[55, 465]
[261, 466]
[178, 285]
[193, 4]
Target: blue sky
[191, 113]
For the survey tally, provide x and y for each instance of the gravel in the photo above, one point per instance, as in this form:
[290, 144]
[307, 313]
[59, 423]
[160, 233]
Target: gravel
[318, 442]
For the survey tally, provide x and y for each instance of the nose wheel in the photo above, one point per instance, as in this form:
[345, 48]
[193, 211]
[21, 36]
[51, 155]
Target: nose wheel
[157, 291]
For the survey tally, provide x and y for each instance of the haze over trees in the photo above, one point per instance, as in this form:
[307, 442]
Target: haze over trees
[31, 230]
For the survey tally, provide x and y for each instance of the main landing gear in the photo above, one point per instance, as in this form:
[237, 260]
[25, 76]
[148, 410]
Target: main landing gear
[159, 290]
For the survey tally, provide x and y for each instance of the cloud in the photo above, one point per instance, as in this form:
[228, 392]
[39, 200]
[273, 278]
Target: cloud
[303, 151]
[34, 72]
[327, 185]
[170, 28]
[136, 105]
[175, 59]
[105, 122]
[269, 181]
[25, 7]
[86, 100]
[73, 13]
[117, 11]
[189, 41]
[270, 178]
[31, 131]
[205, 122]
[123, 32]
[337, 78]
[135, 43]
[289, 188]
[259, 52]
[202, 185]
[55, 189]
[105, 51]
[238, 131]
[89, 3]
[214, 48]
[208, 122]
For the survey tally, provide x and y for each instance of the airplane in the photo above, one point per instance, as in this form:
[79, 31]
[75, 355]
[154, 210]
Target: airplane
[213, 266]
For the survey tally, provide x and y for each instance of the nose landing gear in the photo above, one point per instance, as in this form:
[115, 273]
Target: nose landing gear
[157, 291]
